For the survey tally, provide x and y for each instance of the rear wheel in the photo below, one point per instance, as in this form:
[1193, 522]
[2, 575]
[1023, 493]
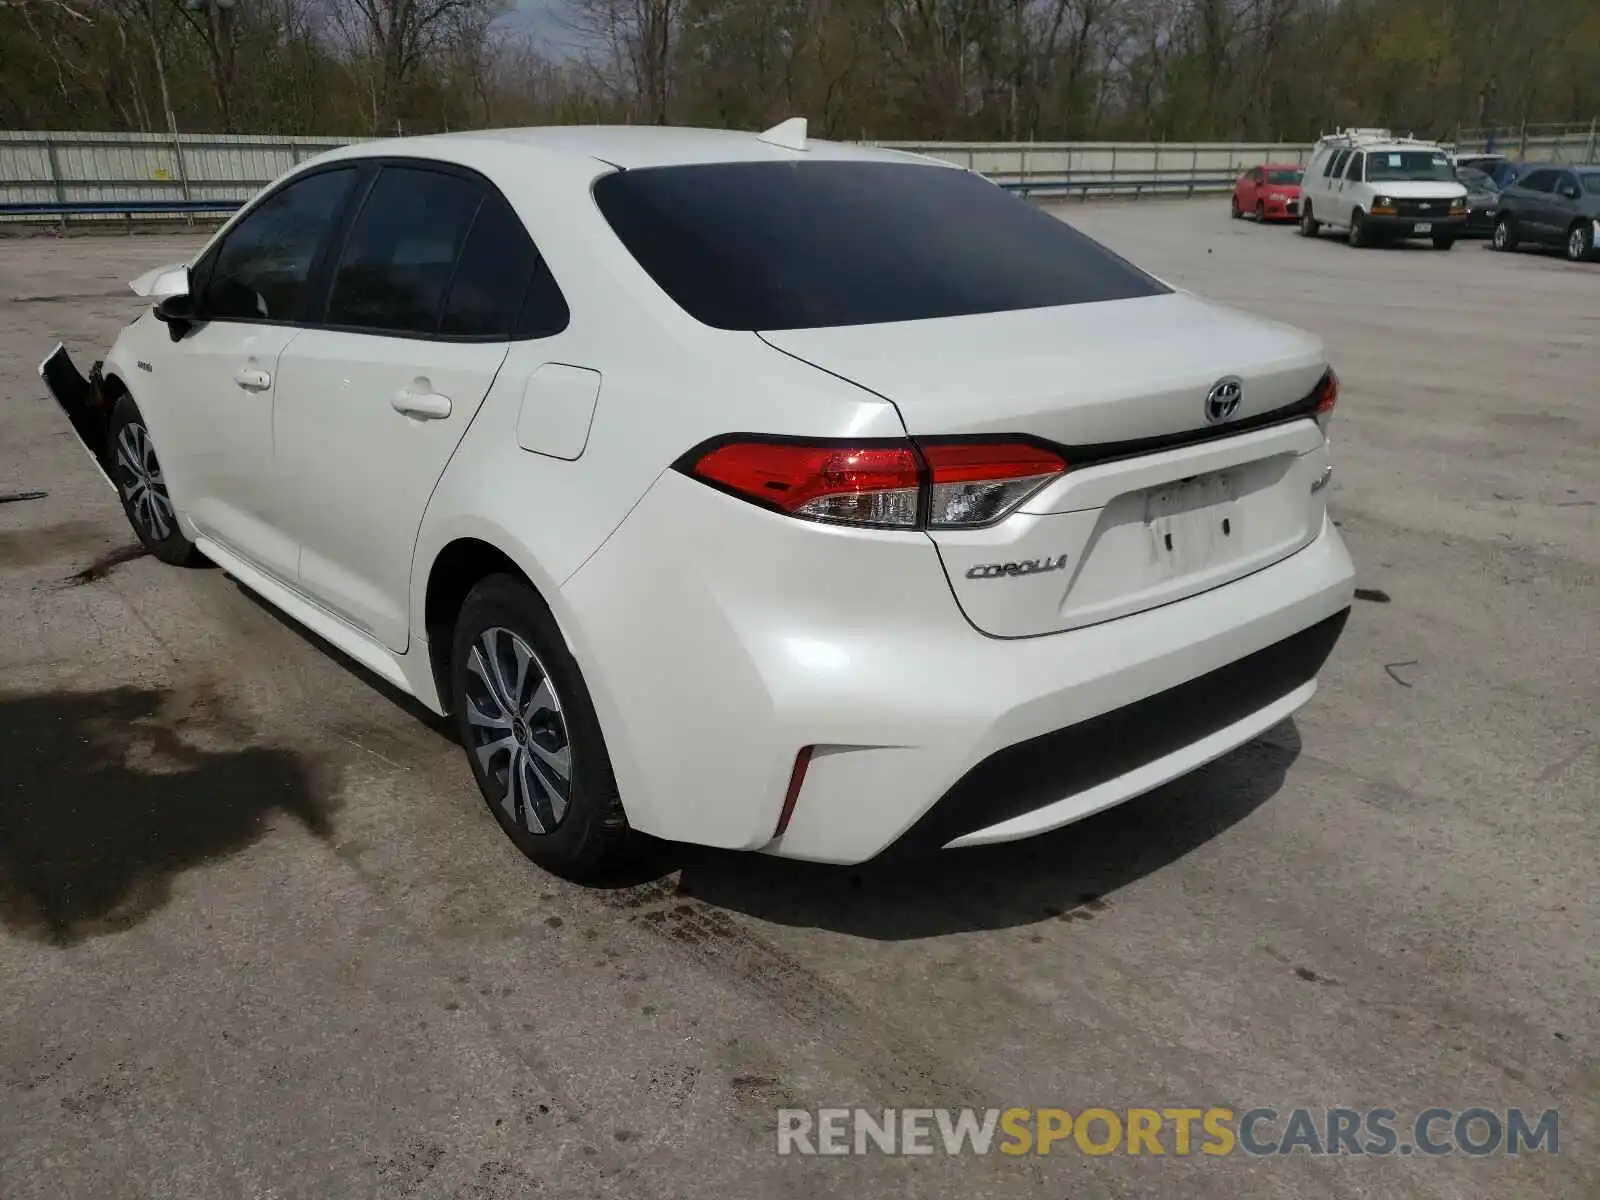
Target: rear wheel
[1309, 225]
[1580, 242]
[142, 485]
[1443, 241]
[530, 731]
[1505, 233]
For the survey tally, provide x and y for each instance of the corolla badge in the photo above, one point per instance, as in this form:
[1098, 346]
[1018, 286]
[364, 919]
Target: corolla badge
[1224, 398]
[1010, 570]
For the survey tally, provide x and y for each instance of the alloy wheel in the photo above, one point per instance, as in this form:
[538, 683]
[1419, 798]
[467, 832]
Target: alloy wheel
[142, 484]
[1577, 245]
[519, 733]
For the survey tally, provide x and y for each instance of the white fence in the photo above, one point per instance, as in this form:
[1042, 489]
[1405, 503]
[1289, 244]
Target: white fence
[49, 169]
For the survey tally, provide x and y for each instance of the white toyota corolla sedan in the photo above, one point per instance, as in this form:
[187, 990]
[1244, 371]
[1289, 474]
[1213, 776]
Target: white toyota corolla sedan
[740, 489]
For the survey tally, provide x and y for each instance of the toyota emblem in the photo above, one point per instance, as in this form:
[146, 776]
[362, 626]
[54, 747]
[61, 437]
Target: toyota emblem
[1222, 401]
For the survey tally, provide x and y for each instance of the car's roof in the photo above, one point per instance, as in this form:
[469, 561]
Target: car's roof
[627, 146]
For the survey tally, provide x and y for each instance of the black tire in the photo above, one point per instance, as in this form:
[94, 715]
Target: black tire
[1360, 235]
[582, 830]
[1233, 208]
[1261, 213]
[1504, 236]
[1309, 225]
[142, 487]
[1443, 241]
[1580, 242]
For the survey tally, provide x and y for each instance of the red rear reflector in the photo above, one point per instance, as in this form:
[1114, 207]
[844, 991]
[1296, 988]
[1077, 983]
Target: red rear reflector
[797, 779]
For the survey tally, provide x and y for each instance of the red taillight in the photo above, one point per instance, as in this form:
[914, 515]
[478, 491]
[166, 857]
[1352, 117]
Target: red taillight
[1327, 397]
[861, 485]
[975, 484]
[896, 485]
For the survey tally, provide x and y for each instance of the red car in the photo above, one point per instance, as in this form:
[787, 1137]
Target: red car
[1271, 192]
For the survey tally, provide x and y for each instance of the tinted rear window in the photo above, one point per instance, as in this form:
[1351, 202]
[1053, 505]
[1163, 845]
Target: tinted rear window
[812, 244]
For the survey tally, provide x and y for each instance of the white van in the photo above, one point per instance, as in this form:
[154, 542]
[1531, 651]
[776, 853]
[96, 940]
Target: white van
[1382, 187]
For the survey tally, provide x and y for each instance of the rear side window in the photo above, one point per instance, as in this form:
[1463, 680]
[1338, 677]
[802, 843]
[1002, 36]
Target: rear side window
[401, 251]
[259, 272]
[498, 275]
[827, 243]
[1336, 164]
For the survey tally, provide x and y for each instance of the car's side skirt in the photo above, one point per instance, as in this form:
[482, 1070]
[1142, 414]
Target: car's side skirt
[365, 650]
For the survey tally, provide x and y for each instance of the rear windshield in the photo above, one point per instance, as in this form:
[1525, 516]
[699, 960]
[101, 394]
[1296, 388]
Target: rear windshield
[1283, 176]
[1398, 165]
[812, 244]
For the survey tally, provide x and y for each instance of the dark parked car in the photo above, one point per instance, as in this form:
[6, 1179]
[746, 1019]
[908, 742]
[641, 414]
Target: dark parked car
[1483, 200]
[1551, 205]
[1497, 167]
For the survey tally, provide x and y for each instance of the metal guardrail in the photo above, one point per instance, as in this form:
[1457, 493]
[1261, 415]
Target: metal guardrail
[67, 178]
[1118, 185]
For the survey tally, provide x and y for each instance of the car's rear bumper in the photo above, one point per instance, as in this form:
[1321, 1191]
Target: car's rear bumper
[720, 640]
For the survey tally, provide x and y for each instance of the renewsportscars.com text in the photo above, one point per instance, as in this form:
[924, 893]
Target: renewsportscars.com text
[1261, 1132]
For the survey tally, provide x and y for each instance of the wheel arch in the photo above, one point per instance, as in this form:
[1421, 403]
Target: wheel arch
[454, 568]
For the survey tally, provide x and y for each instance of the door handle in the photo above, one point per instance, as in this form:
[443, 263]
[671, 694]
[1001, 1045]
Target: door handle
[252, 379]
[424, 406]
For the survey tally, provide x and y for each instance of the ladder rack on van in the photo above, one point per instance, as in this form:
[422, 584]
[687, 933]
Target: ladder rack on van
[1354, 138]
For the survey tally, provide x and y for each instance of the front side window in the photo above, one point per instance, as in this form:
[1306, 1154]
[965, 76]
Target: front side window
[1397, 166]
[398, 260]
[259, 273]
[1540, 181]
[797, 245]
[1568, 183]
[1354, 170]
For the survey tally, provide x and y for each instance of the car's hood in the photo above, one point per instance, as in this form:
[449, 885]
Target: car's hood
[1119, 370]
[1419, 189]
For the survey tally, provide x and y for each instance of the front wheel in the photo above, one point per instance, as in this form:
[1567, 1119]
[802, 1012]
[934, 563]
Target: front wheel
[142, 485]
[1360, 235]
[1580, 242]
[1443, 241]
[1505, 234]
[1309, 225]
[530, 731]
[1233, 208]
[1261, 213]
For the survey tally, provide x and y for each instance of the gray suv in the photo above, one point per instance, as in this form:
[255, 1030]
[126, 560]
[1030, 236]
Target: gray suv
[1552, 205]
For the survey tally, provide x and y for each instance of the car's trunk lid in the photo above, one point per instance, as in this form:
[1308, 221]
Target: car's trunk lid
[1160, 500]
[1084, 374]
